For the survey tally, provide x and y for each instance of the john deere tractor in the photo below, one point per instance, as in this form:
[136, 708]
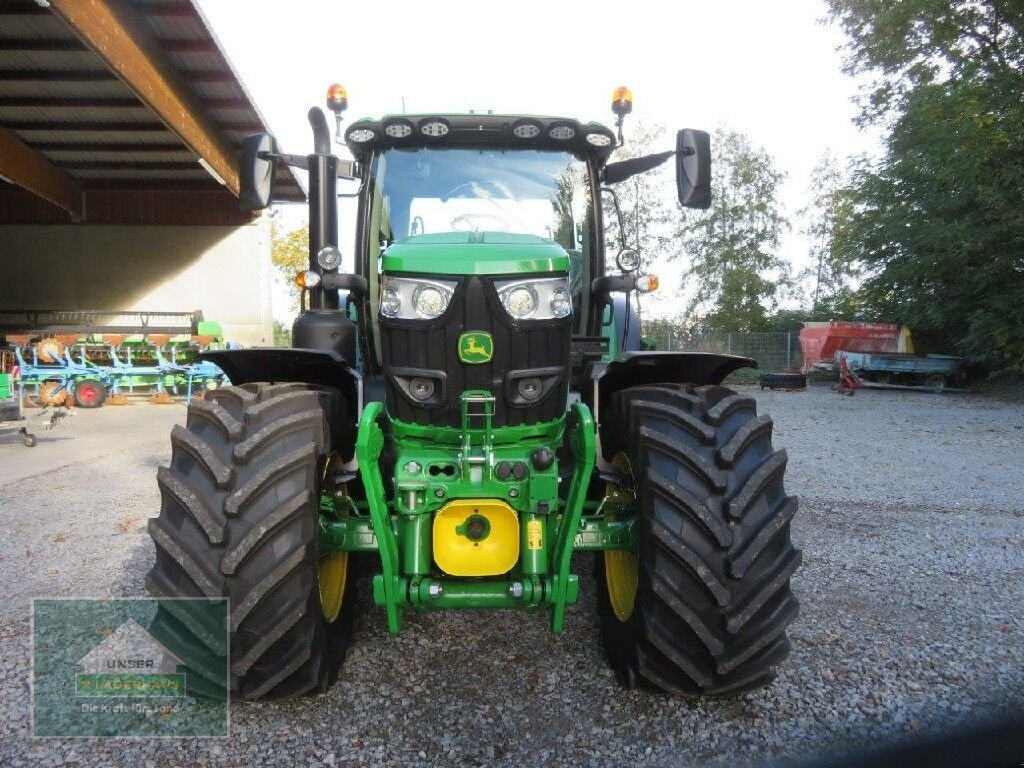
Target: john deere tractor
[467, 409]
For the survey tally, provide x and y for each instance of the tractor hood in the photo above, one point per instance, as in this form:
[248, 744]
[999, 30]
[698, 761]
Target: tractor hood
[476, 253]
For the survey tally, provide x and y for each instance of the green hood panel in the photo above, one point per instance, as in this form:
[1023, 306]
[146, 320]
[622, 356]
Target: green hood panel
[476, 253]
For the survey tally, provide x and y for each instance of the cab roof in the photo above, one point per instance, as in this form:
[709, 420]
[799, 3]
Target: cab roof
[480, 130]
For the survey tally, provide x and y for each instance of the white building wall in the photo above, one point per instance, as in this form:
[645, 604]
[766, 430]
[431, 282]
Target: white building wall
[224, 271]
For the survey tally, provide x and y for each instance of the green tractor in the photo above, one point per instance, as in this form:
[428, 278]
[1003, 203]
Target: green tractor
[466, 410]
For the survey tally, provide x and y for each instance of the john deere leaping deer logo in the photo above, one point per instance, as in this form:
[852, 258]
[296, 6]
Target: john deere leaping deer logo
[476, 347]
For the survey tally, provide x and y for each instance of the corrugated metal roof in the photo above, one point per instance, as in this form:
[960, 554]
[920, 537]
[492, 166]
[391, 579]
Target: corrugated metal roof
[60, 98]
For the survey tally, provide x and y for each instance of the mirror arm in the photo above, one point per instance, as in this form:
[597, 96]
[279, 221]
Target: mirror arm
[618, 215]
[624, 169]
[346, 168]
[296, 161]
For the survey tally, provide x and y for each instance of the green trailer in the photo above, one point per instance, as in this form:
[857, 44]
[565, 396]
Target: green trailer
[466, 407]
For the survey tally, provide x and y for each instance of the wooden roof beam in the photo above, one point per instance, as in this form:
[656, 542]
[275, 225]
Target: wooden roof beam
[24, 166]
[131, 52]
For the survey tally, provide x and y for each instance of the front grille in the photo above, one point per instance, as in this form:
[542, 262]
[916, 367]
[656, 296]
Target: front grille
[417, 349]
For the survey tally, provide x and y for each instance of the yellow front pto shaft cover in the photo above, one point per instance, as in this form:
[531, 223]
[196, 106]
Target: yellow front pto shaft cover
[476, 537]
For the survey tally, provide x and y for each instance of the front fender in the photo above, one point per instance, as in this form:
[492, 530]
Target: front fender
[321, 367]
[633, 369]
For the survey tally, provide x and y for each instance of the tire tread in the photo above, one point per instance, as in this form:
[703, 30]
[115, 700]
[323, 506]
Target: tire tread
[714, 600]
[238, 519]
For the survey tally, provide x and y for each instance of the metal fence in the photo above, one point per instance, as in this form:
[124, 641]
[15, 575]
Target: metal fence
[773, 351]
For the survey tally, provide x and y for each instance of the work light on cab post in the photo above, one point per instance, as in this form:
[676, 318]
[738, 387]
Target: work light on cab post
[622, 105]
[337, 102]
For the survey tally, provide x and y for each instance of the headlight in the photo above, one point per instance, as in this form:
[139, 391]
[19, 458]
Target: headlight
[520, 301]
[542, 299]
[430, 300]
[411, 298]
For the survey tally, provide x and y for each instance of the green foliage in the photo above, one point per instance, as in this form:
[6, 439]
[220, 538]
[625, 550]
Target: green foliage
[289, 253]
[282, 334]
[913, 43]
[831, 276]
[938, 223]
[733, 246]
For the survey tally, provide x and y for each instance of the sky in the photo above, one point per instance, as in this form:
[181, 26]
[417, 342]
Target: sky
[768, 69]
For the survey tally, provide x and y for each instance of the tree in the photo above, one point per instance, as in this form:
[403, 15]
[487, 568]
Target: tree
[289, 253]
[282, 334]
[732, 247]
[937, 222]
[913, 43]
[831, 274]
[939, 225]
[644, 201]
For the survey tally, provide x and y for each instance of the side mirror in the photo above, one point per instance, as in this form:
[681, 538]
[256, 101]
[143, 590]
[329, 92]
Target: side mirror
[693, 168]
[256, 171]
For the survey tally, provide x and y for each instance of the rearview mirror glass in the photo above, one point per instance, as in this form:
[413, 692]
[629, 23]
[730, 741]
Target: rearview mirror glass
[693, 168]
[256, 172]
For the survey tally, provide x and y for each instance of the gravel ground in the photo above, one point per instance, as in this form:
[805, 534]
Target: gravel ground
[912, 526]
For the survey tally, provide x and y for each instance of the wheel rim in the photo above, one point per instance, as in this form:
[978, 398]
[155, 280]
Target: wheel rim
[621, 572]
[87, 394]
[332, 573]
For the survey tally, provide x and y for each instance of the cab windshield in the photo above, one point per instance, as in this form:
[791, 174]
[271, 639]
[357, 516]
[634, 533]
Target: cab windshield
[430, 191]
[522, 191]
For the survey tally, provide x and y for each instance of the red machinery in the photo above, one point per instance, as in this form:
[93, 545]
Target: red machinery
[821, 341]
[849, 382]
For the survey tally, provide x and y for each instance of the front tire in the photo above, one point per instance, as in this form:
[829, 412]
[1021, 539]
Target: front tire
[714, 558]
[239, 519]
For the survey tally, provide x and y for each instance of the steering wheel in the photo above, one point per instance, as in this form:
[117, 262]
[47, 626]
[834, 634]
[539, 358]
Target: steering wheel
[498, 223]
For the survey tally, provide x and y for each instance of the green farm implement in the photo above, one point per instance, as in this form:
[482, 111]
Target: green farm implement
[467, 405]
